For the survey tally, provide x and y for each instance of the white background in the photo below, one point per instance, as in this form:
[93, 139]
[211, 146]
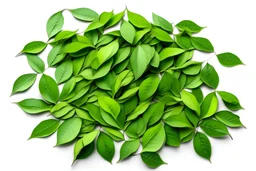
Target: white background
[230, 27]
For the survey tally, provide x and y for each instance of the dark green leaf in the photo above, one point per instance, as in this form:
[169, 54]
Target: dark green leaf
[229, 118]
[105, 147]
[202, 146]
[128, 148]
[229, 59]
[172, 136]
[202, 44]
[230, 100]
[209, 76]
[214, 128]
[152, 159]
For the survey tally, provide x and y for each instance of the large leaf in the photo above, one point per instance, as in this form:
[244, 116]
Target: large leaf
[190, 101]
[152, 159]
[109, 105]
[128, 148]
[230, 100]
[202, 44]
[36, 63]
[209, 76]
[214, 128]
[170, 52]
[54, 24]
[64, 71]
[228, 59]
[148, 87]
[34, 106]
[137, 20]
[34, 47]
[105, 147]
[23, 83]
[161, 22]
[127, 31]
[49, 89]
[228, 118]
[202, 146]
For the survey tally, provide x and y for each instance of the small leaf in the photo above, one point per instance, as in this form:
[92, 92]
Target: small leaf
[84, 14]
[198, 94]
[172, 136]
[152, 159]
[141, 108]
[209, 105]
[67, 88]
[178, 121]
[34, 47]
[148, 87]
[105, 147]
[34, 106]
[161, 35]
[109, 105]
[189, 26]
[127, 31]
[63, 35]
[128, 148]
[23, 83]
[49, 89]
[45, 128]
[55, 56]
[230, 100]
[202, 146]
[170, 52]
[114, 134]
[136, 128]
[137, 20]
[202, 44]
[154, 113]
[154, 138]
[161, 22]
[64, 71]
[68, 131]
[229, 59]
[36, 63]
[190, 101]
[129, 93]
[54, 24]
[214, 128]
[229, 118]
[115, 19]
[209, 76]
[74, 47]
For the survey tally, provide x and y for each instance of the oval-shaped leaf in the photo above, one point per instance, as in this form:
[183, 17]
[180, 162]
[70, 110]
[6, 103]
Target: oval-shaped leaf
[34, 106]
[190, 101]
[23, 83]
[68, 131]
[45, 128]
[152, 159]
[148, 87]
[141, 108]
[64, 71]
[229, 59]
[230, 100]
[172, 136]
[229, 118]
[49, 89]
[214, 128]
[189, 26]
[209, 76]
[128, 148]
[170, 52]
[127, 31]
[54, 24]
[84, 14]
[34, 47]
[161, 22]
[202, 44]
[209, 105]
[36, 63]
[137, 20]
[109, 105]
[162, 35]
[105, 147]
[202, 146]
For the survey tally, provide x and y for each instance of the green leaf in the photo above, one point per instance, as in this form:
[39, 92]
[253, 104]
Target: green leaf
[137, 20]
[109, 105]
[202, 146]
[23, 83]
[36, 63]
[214, 128]
[184, 41]
[105, 17]
[198, 94]
[161, 22]
[209, 105]
[115, 19]
[178, 121]
[67, 88]
[121, 55]
[34, 47]
[68, 131]
[63, 35]
[84, 14]
[34, 106]
[152, 159]
[154, 138]
[192, 116]
[127, 31]
[140, 59]
[74, 47]
[105, 147]
[190, 101]
[82, 143]
[114, 134]
[229, 118]
[128, 148]
[45, 128]
[184, 57]
[161, 35]
[170, 52]
[55, 56]
[106, 83]
[54, 24]
[136, 128]
[154, 113]
[229, 59]
[230, 100]
[148, 87]
[141, 108]
[49, 89]
[129, 93]
[64, 71]
[189, 26]
[202, 44]
[172, 136]
[209, 76]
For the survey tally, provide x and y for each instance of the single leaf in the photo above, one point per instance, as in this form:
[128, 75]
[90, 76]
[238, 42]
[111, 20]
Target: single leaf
[137, 20]
[230, 100]
[170, 52]
[36, 63]
[109, 105]
[214, 128]
[161, 22]
[45, 128]
[55, 56]
[172, 136]
[54, 24]
[202, 146]
[141, 108]
[114, 20]
[105, 147]
[34, 47]
[190, 101]
[49, 89]
[127, 31]
[161, 35]
[154, 138]
[64, 71]
[189, 26]
[67, 88]
[152, 159]
[74, 47]
[229, 118]
[198, 94]
[178, 121]
[129, 93]
[114, 134]
[63, 35]
[148, 87]
[136, 128]
[202, 44]
[128, 148]
[34, 106]
[184, 41]
[209, 76]
[154, 113]
[84, 14]
[68, 131]
[229, 59]
[209, 105]
[23, 83]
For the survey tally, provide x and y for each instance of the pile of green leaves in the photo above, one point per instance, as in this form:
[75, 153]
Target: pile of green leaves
[138, 84]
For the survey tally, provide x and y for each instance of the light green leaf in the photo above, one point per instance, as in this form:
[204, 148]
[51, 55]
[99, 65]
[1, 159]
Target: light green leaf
[63, 35]
[198, 94]
[189, 26]
[154, 113]
[148, 87]
[161, 35]
[127, 31]
[105, 147]
[109, 105]
[64, 71]
[106, 83]
[161, 22]
[23, 83]
[170, 52]
[152, 159]
[209, 76]
[190, 101]
[141, 108]
[49, 89]
[209, 105]
[128, 148]
[105, 17]
[54, 24]
[229, 118]
[184, 57]
[34, 106]
[202, 44]
[114, 134]
[45, 128]
[84, 14]
[36, 63]
[74, 47]
[129, 93]
[229, 59]
[202, 146]
[34, 47]
[55, 56]
[67, 88]
[68, 131]
[214, 128]
[154, 138]
[115, 19]
[137, 20]
[178, 121]
[121, 55]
